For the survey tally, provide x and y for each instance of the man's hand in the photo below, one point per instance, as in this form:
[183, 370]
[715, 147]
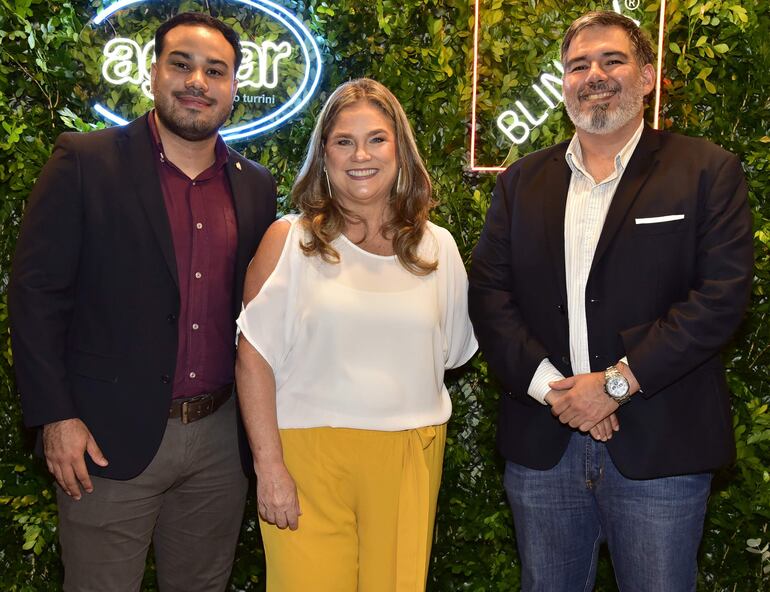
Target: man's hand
[580, 401]
[277, 499]
[603, 430]
[65, 444]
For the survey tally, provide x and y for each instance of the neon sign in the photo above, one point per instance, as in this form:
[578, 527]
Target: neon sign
[127, 63]
[515, 121]
[509, 120]
[284, 67]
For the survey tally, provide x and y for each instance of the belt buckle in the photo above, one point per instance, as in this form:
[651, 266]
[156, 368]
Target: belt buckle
[203, 406]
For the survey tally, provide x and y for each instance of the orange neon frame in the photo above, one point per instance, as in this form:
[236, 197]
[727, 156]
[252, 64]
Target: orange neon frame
[495, 169]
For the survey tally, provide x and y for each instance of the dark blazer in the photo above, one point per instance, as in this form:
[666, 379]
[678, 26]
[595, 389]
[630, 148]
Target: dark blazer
[94, 293]
[667, 295]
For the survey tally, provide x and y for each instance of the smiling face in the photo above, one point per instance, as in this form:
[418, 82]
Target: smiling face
[604, 86]
[193, 82]
[360, 156]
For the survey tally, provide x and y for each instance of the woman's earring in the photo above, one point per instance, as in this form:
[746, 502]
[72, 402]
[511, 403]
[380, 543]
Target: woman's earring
[328, 184]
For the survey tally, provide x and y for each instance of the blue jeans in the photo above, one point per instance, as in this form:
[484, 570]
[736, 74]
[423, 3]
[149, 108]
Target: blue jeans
[652, 527]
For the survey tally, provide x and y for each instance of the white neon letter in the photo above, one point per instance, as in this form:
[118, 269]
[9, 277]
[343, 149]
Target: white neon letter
[548, 81]
[252, 56]
[280, 51]
[120, 55]
[508, 129]
[528, 115]
[544, 96]
[259, 58]
[145, 62]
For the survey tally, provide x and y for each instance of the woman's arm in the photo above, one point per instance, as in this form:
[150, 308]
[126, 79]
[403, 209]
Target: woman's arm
[276, 492]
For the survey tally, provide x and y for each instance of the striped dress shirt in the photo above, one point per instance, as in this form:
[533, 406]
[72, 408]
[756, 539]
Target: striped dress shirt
[586, 209]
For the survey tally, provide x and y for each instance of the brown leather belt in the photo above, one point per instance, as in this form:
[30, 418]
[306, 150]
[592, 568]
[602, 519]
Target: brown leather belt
[200, 406]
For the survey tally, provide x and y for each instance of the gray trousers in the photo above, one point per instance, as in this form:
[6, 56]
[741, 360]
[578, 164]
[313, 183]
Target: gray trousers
[189, 502]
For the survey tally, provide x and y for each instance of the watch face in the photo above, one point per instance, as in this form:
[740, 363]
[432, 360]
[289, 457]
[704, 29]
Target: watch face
[617, 386]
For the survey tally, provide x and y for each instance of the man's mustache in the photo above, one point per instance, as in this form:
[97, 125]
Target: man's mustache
[594, 87]
[195, 94]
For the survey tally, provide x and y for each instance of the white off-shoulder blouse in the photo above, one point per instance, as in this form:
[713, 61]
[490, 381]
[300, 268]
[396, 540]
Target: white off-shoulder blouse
[362, 343]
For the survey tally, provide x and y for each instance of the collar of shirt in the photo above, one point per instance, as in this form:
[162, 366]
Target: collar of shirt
[221, 154]
[574, 156]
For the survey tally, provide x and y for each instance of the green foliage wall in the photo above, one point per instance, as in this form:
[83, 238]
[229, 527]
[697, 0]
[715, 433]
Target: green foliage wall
[717, 83]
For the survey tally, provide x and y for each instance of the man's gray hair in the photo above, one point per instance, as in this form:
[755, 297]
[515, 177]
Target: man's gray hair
[643, 50]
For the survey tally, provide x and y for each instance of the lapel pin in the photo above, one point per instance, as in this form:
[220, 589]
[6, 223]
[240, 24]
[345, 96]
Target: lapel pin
[238, 165]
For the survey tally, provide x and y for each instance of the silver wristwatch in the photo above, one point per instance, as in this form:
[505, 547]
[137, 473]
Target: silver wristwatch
[616, 385]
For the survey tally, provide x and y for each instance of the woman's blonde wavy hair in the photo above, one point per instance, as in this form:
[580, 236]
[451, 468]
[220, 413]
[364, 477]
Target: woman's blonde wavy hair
[411, 196]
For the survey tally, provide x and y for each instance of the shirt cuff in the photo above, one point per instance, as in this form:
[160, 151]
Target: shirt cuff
[538, 386]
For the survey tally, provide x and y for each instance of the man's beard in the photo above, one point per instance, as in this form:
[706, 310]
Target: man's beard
[189, 125]
[600, 119]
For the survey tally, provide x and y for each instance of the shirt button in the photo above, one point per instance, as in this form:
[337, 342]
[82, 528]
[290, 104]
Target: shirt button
[198, 275]
[171, 318]
[199, 226]
[193, 183]
[192, 374]
[195, 326]
[165, 379]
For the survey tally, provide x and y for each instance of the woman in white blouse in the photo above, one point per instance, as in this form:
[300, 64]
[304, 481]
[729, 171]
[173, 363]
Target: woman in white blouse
[355, 308]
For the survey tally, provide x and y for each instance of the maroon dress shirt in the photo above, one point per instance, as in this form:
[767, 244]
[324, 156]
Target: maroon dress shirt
[205, 234]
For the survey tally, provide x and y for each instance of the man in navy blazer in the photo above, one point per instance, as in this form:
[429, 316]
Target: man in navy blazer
[610, 272]
[125, 286]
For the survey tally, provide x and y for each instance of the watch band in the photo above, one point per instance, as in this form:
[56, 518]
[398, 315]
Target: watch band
[612, 373]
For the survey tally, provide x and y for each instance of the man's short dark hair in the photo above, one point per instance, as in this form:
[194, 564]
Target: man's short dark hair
[643, 51]
[199, 19]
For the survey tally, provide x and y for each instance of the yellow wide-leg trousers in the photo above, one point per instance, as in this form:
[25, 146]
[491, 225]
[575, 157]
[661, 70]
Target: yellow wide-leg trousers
[368, 503]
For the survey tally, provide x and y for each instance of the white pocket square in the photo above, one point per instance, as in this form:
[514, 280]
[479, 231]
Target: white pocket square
[658, 219]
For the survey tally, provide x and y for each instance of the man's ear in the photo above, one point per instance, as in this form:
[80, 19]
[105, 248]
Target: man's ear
[153, 76]
[648, 78]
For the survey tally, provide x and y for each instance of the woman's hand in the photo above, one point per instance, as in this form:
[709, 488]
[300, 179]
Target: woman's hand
[277, 499]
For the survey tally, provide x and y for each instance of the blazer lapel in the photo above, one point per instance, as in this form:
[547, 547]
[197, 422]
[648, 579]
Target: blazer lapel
[553, 184]
[640, 166]
[140, 162]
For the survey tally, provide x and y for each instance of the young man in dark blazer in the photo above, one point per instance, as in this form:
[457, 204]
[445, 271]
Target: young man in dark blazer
[610, 272]
[125, 286]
